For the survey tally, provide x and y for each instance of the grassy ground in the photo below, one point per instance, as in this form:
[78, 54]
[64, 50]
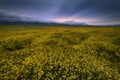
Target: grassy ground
[59, 53]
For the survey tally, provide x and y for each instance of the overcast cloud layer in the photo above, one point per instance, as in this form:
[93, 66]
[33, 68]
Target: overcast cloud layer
[87, 11]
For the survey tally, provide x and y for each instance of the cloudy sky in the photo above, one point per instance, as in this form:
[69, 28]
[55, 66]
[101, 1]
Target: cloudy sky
[96, 12]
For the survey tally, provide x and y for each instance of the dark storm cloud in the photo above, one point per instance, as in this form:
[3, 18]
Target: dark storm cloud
[26, 4]
[99, 10]
[32, 8]
[9, 16]
[89, 7]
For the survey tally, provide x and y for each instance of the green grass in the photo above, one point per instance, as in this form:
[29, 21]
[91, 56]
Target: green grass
[59, 53]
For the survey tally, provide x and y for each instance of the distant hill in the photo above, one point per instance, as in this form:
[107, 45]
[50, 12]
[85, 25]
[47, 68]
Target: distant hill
[40, 23]
[7, 19]
[74, 23]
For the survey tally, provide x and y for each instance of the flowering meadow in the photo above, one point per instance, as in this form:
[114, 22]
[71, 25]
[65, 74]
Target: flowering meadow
[59, 53]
